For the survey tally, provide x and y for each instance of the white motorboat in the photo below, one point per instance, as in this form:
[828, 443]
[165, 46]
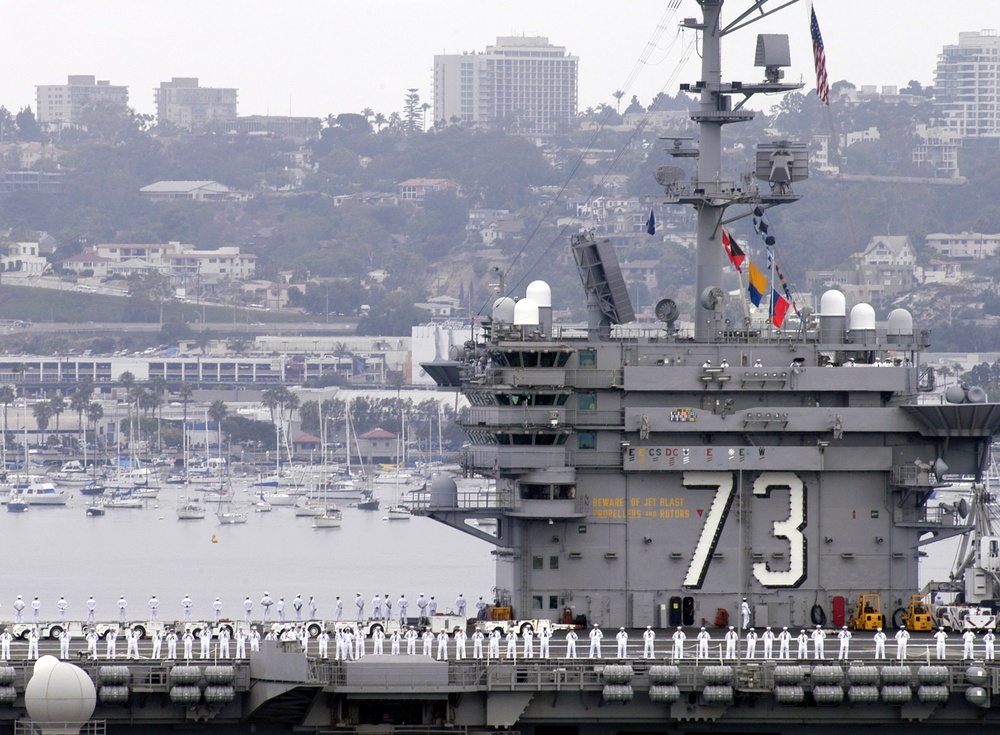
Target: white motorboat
[38, 491]
[123, 502]
[231, 516]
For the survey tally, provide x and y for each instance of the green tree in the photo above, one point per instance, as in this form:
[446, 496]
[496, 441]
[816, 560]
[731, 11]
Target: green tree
[411, 111]
[217, 411]
[7, 396]
[58, 404]
[94, 414]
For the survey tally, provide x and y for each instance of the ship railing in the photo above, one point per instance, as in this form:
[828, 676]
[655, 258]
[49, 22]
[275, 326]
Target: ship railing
[467, 500]
[25, 726]
[912, 475]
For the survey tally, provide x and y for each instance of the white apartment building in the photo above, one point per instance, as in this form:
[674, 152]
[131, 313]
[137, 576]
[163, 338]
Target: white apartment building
[173, 258]
[522, 84]
[967, 84]
[59, 106]
[964, 245]
[182, 103]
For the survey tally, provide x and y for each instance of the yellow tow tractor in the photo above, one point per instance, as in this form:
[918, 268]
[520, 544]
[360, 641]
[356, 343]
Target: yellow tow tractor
[868, 613]
[918, 614]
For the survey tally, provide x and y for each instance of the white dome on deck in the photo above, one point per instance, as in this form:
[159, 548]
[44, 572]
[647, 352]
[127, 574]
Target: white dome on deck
[540, 293]
[862, 316]
[526, 313]
[832, 303]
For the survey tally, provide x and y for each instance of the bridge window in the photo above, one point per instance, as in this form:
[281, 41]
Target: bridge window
[587, 440]
[587, 401]
[536, 562]
[588, 359]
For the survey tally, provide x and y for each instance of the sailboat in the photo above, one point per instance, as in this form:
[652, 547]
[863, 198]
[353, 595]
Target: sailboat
[227, 513]
[331, 518]
[190, 511]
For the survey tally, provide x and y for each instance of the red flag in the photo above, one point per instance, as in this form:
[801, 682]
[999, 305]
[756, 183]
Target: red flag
[819, 57]
[779, 307]
[733, 250]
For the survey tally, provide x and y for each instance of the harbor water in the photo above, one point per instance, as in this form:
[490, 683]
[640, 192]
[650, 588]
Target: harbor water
[59, 551]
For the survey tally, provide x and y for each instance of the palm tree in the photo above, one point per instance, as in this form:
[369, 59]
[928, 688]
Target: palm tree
[7, 396]
[80, 400]
[94, 414]
[368, 113]
[618, 94]
[42, 411]
[218, 411]
[58, 404]
[379, 121]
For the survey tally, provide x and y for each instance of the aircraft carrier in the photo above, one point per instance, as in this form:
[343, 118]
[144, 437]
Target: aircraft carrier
[659, 477]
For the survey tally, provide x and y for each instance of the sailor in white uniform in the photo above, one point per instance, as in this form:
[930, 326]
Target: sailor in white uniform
[571, 638]
[751, 644]
[266, 603]
[378, 639]
[648, 642]
[968, 645]
[767, 638]
[879, 639]
[254, 638]
[312, 608]
[322, 640]
[394, 643]
[940, 650]
[784, 643]
[377, 607]
[387, 614]
[819, 642]
[544, 636]
[401, 605]
[481, 607]
[442, 639]
[679, 637]
[240, 636]
[64, 638]
[188, 639]
[33, 643]
[5, 640]
[359, 603]
[989, 643]
[217, 609]
[91, 609]
[494, 640]
[460, 605]
[154, 608]
[622, 638]
[422, 607]
[36, 610]
[411, 641]
[122, 606]
[280, 608]
[132, 643]
[247, 609]
[186, 605]
[528, 647]
[803, 640]
[432, 606]
[111, 643]
[297, 604]
[704, 638]
[224, 638]
[206, 642]
[595, 642]
[428, 639]
[477, 644]
[511, 645]
[732, 637]
[745, 613]
[845, 644]
[61, 606]
[91, 639]
[157, 643]
[19, 609]
[338, 609]
[172, 644]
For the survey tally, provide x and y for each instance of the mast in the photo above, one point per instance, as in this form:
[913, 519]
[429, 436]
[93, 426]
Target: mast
[710, 193]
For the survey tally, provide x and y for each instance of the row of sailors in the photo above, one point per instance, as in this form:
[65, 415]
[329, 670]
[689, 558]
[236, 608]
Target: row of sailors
[381, 608]
[351, 645]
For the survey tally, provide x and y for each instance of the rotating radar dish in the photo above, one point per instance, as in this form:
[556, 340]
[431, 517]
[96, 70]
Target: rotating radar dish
[712, 297]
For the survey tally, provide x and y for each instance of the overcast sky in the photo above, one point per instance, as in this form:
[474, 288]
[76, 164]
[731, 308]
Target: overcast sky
[315, 57]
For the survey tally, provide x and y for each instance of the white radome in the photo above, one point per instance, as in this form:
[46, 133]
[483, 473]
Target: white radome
[60, 697]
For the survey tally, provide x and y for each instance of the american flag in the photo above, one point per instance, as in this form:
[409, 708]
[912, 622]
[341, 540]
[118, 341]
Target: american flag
[819, 55]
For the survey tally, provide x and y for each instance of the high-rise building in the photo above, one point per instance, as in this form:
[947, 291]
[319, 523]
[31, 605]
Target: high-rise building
[522, 84]
[967, 84]
[60, 105]
[182, 103]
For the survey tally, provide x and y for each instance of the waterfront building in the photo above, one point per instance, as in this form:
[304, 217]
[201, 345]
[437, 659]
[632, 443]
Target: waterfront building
[60, 106]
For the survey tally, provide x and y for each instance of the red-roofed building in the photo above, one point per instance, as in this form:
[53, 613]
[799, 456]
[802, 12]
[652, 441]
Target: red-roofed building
[378, 445]
[305, 443]
[88, 260]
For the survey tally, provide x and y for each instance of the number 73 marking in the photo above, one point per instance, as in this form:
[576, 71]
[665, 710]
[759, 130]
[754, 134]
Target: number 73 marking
[789, 529]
